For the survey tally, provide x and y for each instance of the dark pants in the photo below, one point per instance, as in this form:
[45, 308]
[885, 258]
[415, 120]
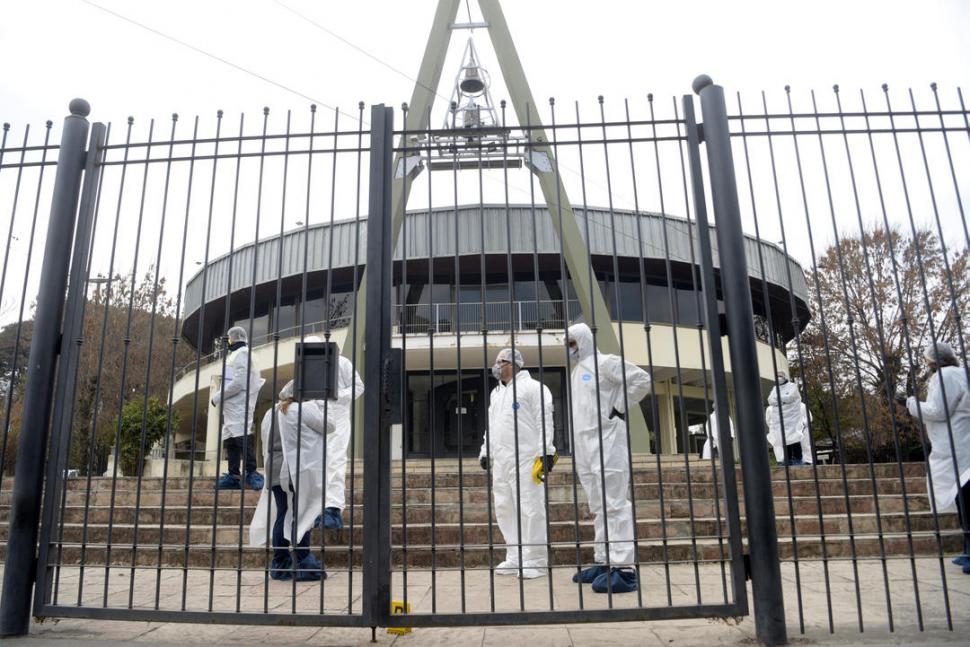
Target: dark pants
[794, 454]
[964, 513]
[280, 544]
[234, 452]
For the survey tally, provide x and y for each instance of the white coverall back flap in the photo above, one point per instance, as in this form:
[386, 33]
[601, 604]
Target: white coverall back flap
[237, 419]
[520, 429]
[349, 387]
[784, 406]
[950, 471]
[302, 435]
[597, 388]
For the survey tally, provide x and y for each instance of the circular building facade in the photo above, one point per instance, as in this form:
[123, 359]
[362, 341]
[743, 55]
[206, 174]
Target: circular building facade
[455, 308]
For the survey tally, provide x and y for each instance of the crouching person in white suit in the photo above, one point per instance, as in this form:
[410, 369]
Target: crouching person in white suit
[293, 436]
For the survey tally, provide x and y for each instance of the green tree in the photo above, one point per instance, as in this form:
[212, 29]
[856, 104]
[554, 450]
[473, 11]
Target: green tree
[141, 427]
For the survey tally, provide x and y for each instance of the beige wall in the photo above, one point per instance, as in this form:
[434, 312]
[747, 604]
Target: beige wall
[670, 348]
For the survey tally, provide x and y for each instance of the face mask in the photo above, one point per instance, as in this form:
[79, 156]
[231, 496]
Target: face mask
[782, 381]
[497, 372]
[573, 354]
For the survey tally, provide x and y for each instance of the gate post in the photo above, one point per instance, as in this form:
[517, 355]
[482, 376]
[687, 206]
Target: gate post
[20, 564]
[376, 600]
[769, 608]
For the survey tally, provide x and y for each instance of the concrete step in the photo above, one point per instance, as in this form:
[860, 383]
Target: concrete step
[204, 494]
[453, 535]
[228, 511]
[418, 474]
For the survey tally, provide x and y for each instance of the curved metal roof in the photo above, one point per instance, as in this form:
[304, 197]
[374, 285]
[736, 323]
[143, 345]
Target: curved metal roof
[497, 241]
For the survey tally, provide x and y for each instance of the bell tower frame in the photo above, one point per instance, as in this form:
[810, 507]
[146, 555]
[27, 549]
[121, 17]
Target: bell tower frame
[574, 249]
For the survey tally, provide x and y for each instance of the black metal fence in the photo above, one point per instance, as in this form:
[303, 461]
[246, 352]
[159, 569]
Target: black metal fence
[854, 259]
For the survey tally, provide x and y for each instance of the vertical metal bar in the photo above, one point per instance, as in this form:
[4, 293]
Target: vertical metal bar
[457, 331]
[377, 455]
[769, 606]
[176, 330]
[566, 281]
[148, 366]
[510, 277]
[867, 435]
[796, 324]
[353, 360]
[70, 358]
[675, 322]
[539, 327]
[648, 338]
[719, 378]
[431, 374]
[126, 340]
[616, 302]
[905, 332]
[403, 329]
[594, 327]
[932, 331]
[20, 563]
[697, 289]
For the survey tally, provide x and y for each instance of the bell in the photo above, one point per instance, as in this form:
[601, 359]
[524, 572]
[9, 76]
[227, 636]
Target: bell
[472, 83]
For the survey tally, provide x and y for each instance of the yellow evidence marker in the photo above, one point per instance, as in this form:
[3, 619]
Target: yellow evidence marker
[398, 609]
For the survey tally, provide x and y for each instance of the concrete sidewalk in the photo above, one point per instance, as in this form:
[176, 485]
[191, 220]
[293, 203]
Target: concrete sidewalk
[853, 589]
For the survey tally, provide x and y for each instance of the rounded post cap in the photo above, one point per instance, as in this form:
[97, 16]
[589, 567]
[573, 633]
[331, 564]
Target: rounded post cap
[701, 82]
[79, 108]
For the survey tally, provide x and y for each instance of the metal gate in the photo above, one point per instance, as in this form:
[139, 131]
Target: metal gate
[422, 533]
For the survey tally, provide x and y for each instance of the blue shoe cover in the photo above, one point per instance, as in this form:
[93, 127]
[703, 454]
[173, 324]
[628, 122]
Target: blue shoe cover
[309, 569]
[622, 580]
[332, 519]
[962, 560]
[255, 481]
[228, 482]
[280, 568]
[587, 575]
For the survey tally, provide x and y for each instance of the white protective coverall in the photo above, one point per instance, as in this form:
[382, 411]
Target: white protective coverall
[714, 439]
[303, 440]
[592, 405]
[236, 420]
[784, 405]
[349, 386]
[806, 428]
[941, 460]
[524, 405]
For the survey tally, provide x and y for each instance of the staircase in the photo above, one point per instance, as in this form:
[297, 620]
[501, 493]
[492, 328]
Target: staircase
[187, 523]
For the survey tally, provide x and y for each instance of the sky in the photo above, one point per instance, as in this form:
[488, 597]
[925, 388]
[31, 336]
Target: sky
[242, 56]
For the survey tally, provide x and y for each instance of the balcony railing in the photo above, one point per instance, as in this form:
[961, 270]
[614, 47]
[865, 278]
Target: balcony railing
[451, 318]
[420, 318]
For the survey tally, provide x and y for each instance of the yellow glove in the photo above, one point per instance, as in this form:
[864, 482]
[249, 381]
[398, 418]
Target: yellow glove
[542, 466]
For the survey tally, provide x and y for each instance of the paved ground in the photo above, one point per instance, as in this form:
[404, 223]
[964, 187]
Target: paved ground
[853, 591]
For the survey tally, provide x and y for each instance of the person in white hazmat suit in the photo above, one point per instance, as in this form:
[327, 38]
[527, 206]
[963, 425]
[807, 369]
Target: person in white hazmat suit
[240, 390]
[518, 437]
[598, 417]
[349, 388]
[946, 415]
[714, 439]
[293, 437]
[784, 419]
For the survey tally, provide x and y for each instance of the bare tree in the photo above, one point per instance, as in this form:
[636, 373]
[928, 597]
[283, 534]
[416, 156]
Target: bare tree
[877, 300]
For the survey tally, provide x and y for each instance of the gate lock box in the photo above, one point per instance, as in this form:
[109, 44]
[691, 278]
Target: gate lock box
[398, 608]
[315, 371]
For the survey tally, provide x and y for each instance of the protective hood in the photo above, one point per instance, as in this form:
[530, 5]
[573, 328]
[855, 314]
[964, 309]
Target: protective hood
[584, 339]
